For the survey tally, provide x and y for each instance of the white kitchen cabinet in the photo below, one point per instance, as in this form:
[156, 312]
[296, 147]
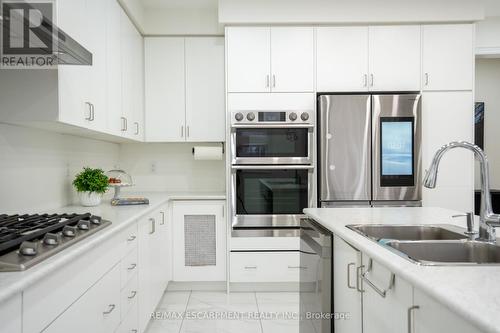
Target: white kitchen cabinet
[199, 241]
[429, 316]
[270, 59]
[387, 312]
[347, 296]
[394, 60]
[205, 89]
[98, 310]
[165, 89]
[449, 116]
[292, 59]
[11, 314]
[185, 89]
[341, 59]
[248, 59]
[448, 57]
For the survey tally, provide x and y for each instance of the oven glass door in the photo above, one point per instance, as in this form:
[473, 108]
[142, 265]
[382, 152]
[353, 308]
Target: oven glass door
[271, 191]
[265, 143]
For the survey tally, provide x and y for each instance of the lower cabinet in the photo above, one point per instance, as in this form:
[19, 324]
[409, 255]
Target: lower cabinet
[11, 314]
[100, 307]
[199, 241]
[268, 267]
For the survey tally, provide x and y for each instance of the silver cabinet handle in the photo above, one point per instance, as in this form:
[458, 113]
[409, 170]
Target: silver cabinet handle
[380, 291]
[410, 317]
[89, 118]
[132, 267]
[132, 295]
[131, 238]
[372, 80]
[93, 112]
[426, 79]
[365, 80]
[267, 81]
[359, 272]
[182, 131]
[297, 267]
[187, 131]
[349, 265]
[153, 225]
[134, 331]
[136, 128]
[124, 124]
[162, 218]
[274, 81]
[111, 307]
[250, 267]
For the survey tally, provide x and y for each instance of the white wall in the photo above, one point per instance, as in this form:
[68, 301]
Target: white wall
[170, 167]
[488, 91]
[348, 11]
[135, 10]
[182, 21]
[37, 167]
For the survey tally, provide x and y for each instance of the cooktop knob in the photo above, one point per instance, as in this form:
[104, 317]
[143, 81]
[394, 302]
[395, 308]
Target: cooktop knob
[83, 225]
[69, 231]
[251, 116]
[292, 116]
[28, 248]
[51, 239]
[238, 116]
[95, 219]
[304, 116]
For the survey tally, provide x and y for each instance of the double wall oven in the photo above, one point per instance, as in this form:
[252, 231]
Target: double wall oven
[272, 171]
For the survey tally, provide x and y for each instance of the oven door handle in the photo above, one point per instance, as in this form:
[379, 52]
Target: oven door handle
[249, 126]
[272, 167]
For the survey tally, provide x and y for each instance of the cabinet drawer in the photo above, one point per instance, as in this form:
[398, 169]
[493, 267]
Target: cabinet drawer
[129, 295]
[130, 321]
[129, 266]
[265, 266]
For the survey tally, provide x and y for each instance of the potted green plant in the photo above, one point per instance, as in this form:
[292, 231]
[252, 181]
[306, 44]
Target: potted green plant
[91, 184]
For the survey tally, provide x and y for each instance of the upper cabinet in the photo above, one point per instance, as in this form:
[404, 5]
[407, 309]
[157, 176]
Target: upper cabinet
[448, 57]
[276, 59]
[184, 89]
[342, 59]
[394, 60]
[378, 58]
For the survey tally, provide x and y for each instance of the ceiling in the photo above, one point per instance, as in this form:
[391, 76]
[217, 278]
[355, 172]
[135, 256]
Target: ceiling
[188, 4]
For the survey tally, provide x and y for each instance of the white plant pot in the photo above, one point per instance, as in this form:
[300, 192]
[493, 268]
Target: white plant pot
[90, 199]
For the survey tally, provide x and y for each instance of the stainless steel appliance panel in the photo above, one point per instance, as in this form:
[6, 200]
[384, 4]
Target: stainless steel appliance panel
[396, 161]
[345, 132]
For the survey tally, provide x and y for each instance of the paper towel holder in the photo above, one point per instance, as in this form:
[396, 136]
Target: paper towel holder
[222, 144]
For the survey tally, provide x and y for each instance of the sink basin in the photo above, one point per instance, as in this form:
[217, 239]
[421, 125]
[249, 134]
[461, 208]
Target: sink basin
[409, 232]
[448, 252]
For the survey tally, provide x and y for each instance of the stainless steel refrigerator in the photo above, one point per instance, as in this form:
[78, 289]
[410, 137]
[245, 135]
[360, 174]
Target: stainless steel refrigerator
[369, 150]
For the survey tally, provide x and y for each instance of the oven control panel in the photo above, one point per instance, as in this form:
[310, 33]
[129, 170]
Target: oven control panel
[272, 117]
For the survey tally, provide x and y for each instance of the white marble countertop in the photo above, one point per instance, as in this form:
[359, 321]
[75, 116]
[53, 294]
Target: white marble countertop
[472, 292]
[12, 283]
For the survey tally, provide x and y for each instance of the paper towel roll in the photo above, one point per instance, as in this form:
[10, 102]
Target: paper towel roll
[207, 153]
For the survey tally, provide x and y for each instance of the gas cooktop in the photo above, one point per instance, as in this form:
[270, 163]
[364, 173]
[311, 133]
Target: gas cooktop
[26, 240]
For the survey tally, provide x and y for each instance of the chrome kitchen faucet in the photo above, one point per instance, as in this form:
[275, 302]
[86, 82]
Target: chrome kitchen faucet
[488, 220]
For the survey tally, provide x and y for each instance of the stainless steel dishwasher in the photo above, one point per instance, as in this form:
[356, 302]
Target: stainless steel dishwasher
[316, 278]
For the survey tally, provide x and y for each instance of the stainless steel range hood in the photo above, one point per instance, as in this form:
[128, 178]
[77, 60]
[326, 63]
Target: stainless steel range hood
[65, 50]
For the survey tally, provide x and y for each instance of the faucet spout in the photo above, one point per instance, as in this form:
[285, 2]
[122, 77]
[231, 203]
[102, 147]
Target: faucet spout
[488, 220]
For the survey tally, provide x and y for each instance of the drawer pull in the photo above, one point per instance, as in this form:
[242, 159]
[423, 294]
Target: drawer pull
[380, 291]
[131, 238]
[132, 295]
[162, 218]
[250, 267]
[134, 331]
[297, 267]
[153, 226]
[132, 267]
[410, 317]
[349, 275]
[110, 309]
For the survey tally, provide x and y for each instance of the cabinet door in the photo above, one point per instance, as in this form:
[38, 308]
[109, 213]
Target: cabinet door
[292, 59]
[342, 59]
[138, 86]
[98, 310]
[73, 80]
[205, 89]
[394, 58]
[145, 273]
[448, 57]
[11, 314]
[199, 236]
[113, 68]
[158, 249]
[455, 187]
[165, 89]
[346, 286]
[96, 32]
[127, 54]
[389, 313]
[433, 317]
[248, 59]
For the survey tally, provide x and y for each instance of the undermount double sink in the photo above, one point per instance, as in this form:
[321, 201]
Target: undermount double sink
[431, 244]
